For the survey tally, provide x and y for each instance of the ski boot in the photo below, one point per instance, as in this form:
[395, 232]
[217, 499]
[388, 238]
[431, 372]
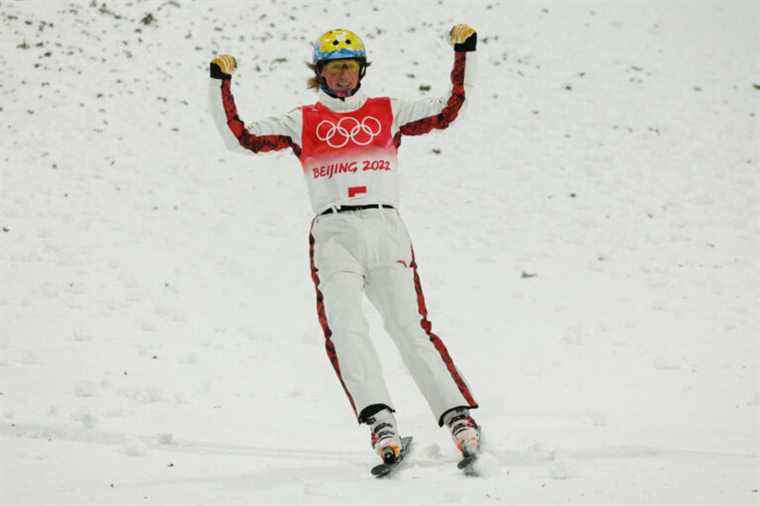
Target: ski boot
[385, 439]
[464, 430]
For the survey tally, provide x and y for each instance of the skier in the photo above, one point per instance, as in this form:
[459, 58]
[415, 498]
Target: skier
[347, 144]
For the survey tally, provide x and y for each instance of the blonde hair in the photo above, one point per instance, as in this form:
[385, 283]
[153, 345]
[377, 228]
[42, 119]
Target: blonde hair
[312, 83]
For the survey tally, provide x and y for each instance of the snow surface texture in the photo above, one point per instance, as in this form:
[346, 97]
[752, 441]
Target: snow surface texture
[587, 238]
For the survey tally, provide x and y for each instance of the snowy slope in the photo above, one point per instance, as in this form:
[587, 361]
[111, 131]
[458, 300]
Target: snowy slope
[588, 238]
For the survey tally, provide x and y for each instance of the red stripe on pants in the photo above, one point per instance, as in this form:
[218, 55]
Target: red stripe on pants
[428, 328]
[329, 345]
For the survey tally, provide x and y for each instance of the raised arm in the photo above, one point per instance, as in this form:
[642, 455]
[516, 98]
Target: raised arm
[271, 134]
[421, 116]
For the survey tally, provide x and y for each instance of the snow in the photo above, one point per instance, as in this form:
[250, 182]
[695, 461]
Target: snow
[588, 240]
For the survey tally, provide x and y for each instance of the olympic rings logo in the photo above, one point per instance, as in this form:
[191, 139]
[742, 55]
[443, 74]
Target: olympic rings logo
[349, 129]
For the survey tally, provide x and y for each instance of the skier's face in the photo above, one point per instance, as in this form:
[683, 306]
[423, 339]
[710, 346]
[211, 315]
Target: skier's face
[342, 76]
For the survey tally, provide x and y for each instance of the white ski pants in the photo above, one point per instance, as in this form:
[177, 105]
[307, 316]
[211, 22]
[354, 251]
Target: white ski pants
[369, 252]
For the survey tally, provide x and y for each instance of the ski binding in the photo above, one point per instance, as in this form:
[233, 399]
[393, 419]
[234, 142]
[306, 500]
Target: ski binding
[385, 469]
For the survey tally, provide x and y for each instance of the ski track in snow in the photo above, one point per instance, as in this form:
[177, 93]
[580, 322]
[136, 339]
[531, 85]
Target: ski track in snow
[587, 233]
[167, 443]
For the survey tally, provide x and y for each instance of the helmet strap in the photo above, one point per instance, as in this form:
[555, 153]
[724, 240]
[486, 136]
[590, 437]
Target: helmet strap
[323, 86]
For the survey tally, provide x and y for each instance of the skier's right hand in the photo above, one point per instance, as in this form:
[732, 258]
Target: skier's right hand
[222, 66]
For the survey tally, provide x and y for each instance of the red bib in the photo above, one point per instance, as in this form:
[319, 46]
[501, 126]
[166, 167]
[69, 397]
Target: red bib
[350, 157]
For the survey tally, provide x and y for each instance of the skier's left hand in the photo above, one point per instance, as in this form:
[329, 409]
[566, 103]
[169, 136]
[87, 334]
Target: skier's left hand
[463, 37]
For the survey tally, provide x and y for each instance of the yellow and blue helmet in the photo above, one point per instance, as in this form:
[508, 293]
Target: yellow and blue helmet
[338, 44]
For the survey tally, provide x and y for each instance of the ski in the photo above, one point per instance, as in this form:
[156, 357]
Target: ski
[467, 464]
[383, 470]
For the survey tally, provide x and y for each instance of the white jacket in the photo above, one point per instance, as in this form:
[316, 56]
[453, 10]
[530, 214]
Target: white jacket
[333, 189]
